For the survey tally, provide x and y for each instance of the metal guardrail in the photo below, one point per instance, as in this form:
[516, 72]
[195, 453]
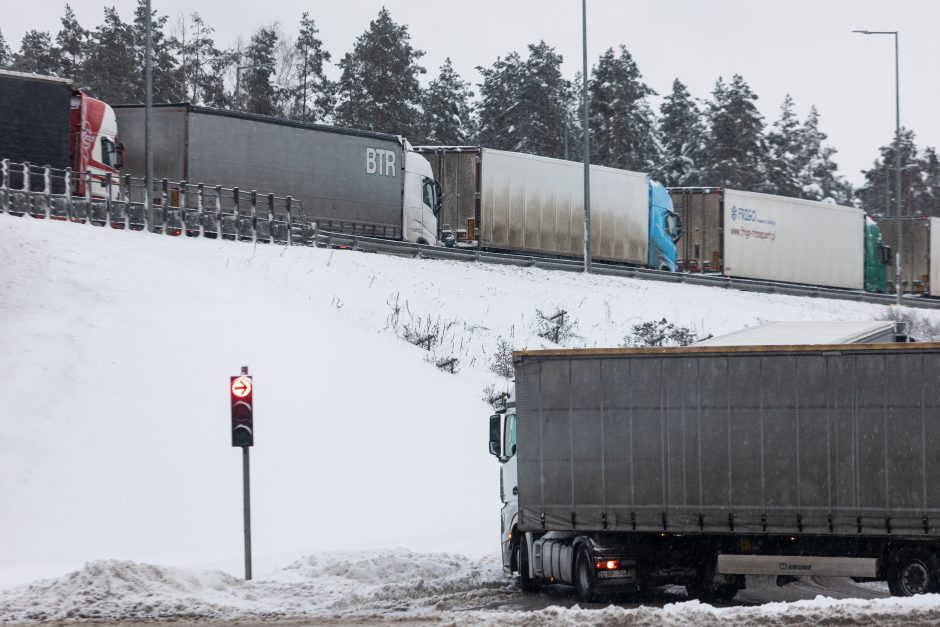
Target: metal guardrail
[548, 263]
[230, 213]
[178, 208]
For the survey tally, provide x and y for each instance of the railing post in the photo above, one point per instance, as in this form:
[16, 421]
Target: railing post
[68, 194]
[27, 188]
[236, 198]
[88, 194]
[200, 205]
[128, 200]
[290, 221]
[47, 190]
[271, 218]
[164, 199]
[253, 205]
[109, 218]
[4, 184]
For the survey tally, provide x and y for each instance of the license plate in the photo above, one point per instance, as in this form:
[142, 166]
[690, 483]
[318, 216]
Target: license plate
[613, 574]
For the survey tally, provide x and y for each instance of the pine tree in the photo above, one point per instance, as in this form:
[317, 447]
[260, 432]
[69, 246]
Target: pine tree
[258, 93]
[37, 55]
[379, 86]
[500, 123]
[167, 83]
[6, 56]
[785, 153]
[447, 117]
[683, 138]
[111, 70]
[877, 195]
[819, 178]
[622, 123]
[313, 97]
[930, 166]
[544, 103]
[72, 41]
[199, 69]
[737, 151]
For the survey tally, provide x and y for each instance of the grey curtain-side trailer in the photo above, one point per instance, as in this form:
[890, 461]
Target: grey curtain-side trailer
[349, 181]
[630, 468]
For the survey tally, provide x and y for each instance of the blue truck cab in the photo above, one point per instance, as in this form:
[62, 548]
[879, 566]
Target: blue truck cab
[665, 229]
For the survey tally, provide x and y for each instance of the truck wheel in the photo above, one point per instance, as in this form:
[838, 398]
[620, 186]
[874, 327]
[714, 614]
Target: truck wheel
[526, 582]
[584, 576]
[914, 571]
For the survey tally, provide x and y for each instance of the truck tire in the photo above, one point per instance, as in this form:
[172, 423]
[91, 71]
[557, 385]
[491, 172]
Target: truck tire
[913, 571]
[584, 578]
[709, 590]
[526, 582]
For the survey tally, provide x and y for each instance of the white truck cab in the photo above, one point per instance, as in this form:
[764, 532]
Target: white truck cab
[503, 446]
[421, 199]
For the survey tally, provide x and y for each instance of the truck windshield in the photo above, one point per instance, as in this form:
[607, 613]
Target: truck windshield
[107, 152]
[509, 436]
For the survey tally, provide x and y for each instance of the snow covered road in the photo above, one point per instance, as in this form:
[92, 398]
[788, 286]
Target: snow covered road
[404, 588]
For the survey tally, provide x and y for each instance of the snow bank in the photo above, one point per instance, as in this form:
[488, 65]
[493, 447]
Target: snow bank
[326, 584]
[395, 587]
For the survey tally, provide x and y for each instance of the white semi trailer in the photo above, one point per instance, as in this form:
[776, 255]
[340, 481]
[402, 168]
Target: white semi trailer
[776, 238]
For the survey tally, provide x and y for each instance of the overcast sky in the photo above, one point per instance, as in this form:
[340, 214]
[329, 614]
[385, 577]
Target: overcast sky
[801, 47]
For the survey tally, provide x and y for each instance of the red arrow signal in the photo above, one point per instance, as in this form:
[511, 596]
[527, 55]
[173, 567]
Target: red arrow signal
[241, 387]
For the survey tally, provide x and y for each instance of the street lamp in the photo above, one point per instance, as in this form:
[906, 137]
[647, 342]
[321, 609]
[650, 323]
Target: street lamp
[587, 143]
[238, 74]
[897, 157]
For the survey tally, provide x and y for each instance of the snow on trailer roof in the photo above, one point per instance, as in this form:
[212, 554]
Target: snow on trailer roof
[38, 77]
[270, 119]
[731, 349]
[823, 332]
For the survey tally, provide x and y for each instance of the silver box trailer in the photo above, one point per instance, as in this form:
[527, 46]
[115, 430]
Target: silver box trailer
[773, 238]
[813, 332]
[918, 235]
[512, 201]
[349, 181]
[663, 463]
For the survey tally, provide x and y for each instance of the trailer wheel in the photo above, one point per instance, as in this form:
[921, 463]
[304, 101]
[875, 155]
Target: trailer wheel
[584, 577]
[709, 589]
[526, 582]
[913, 571]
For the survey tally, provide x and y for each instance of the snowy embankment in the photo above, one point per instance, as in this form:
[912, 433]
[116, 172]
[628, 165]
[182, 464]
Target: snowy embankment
[389, 587]
[114, 420]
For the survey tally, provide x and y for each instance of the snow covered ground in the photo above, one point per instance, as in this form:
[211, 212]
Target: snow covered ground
[114, 425]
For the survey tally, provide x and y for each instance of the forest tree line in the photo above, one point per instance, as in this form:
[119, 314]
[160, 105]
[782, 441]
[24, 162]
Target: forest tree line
[523, 103]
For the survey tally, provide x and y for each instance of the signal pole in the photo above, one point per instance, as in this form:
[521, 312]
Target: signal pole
[241, 390]
[246, 492]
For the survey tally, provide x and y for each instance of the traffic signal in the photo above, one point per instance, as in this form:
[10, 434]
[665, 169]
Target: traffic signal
[242, 391]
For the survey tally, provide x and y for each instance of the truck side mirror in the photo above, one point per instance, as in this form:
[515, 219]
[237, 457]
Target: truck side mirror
[438, 197]
[495, 448]
[120, 157]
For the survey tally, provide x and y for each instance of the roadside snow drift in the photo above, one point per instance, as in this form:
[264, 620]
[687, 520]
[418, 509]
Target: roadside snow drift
[114, 418]
[390, 587]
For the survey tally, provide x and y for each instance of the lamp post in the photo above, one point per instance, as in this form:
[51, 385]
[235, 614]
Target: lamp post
[897, 157]
[148, 123]
[238, 74]
[587, 144]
